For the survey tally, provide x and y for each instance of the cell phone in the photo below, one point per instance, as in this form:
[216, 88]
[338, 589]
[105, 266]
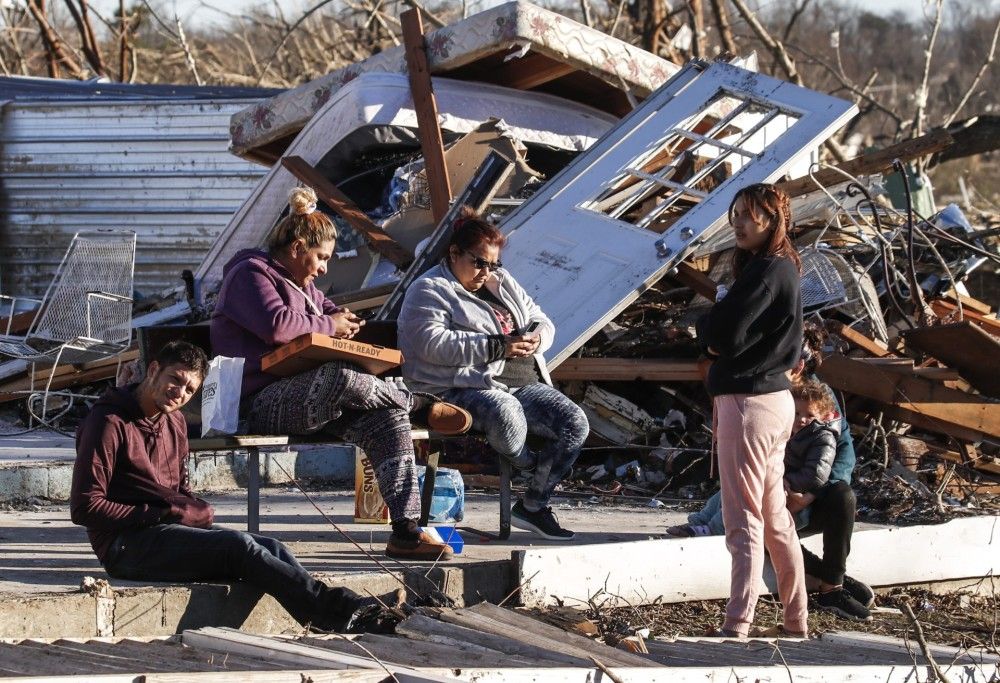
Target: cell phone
[529, 328]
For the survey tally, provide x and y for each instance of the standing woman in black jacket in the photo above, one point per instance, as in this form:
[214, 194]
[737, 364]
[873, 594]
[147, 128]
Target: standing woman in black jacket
[753, 335]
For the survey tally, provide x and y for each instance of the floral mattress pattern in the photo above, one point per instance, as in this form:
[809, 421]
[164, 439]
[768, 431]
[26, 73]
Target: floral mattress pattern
[514, 25]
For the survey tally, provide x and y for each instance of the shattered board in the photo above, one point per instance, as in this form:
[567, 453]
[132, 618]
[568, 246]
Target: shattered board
[651, 189]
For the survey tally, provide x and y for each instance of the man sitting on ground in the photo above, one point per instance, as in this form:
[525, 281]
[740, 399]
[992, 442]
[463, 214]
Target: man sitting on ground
[130, 491]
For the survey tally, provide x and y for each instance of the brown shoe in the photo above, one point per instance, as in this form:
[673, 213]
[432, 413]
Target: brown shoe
[422, 547]
[447, 418]
[440, 417]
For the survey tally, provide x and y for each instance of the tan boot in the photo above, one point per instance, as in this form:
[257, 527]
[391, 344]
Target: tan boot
[440, 417]
[423, 547]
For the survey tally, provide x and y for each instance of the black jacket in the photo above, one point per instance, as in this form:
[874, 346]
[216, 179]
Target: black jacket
[755, 330]
[809, 455]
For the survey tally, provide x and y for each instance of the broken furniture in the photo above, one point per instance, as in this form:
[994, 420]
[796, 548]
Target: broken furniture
[372, 119]
[86, 313]
[516, 46]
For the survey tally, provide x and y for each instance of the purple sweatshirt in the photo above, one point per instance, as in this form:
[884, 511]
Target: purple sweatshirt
[260, 308]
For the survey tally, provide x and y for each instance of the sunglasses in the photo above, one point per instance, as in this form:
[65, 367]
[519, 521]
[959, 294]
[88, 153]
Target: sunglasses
[481, 263]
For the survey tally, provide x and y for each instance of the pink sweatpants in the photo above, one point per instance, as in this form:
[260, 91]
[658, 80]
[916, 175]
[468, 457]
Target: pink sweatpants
[751, 431]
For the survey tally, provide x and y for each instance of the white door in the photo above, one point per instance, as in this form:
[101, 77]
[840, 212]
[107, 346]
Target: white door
[621, 214]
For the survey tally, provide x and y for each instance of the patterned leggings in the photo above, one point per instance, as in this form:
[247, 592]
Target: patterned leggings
[339, 399]
[506, 418]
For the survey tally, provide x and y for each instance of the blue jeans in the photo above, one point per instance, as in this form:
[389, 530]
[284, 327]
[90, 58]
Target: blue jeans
[711, 516]
[172, 552]
[507, 417]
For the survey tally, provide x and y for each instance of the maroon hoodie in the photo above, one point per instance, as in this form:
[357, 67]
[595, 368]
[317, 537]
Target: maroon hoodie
[259, 308]
[130, 471]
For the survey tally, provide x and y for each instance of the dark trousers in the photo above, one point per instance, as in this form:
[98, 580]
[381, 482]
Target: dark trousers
[832, 513]
[171, 552]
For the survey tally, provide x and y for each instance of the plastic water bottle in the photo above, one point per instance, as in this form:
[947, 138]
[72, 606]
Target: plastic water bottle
[448, 503]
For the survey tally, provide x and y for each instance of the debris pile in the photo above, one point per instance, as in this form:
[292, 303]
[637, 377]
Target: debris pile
[616, 217]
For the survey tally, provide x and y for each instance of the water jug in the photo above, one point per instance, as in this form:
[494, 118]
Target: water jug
[448, 503]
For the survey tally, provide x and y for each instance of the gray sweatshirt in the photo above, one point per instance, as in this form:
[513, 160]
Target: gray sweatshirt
[444, 331]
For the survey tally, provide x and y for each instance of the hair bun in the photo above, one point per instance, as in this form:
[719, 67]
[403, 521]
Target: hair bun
[302, 201]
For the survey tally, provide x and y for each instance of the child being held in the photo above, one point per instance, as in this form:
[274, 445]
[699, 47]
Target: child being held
[809, 456]
[812, 448]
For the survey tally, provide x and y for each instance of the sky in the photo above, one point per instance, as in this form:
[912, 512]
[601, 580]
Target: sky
[202, 12]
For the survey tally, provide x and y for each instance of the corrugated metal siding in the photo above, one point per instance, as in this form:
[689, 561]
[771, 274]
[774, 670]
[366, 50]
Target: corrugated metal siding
[160, 168]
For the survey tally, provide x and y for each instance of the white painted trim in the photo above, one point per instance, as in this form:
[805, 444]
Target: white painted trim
[679, 570]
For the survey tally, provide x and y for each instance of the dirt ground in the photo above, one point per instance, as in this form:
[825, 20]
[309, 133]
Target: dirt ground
[956, 619]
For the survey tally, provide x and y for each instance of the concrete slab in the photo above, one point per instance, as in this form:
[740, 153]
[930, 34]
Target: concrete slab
[43, 558]
[679, 570]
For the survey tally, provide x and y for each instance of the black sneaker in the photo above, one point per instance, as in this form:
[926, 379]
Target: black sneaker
[375, 618]
[543, 523]
[841, 603]
[861, 592]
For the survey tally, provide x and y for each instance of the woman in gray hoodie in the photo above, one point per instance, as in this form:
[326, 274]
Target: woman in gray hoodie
[472, 335]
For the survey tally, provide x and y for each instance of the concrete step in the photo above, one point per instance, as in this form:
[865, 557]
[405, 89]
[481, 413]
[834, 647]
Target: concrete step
[44, 558]
[141, 610]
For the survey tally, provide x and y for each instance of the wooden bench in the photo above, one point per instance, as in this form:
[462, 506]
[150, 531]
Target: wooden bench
[253, 443]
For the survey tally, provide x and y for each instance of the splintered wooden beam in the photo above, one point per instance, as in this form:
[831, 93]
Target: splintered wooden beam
[377, 238]
[943, 308]
[689, 276]
[64, 376]
[626, 370]
[919, 401]
[856, 339]
[530, 72]
[969, 349]
[917, 449]
[866, 164]
[425, 107]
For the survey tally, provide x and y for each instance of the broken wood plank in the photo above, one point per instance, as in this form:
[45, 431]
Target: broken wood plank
[627, 370]
[689, 276]
[533, 630]
[964, 346]
[856, 339]
[379, 240]
[420, 653]
[425, 106]
[873, 162]
[968, 302]
[917, 398]
[530, 71]
[65, 376]
[420, 627]
[943, 309]
[908, 447]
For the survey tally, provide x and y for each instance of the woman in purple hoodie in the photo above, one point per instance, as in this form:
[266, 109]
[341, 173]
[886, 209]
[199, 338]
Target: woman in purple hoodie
[267, 299]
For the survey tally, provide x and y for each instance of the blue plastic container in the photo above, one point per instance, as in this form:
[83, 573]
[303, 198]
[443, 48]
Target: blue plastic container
[448, 503]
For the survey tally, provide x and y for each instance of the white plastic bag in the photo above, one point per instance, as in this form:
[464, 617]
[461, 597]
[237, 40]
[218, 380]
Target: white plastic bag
[220, 396]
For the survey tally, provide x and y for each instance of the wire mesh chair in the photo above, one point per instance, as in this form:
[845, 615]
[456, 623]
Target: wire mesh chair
[86, 313]
[828, 281]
